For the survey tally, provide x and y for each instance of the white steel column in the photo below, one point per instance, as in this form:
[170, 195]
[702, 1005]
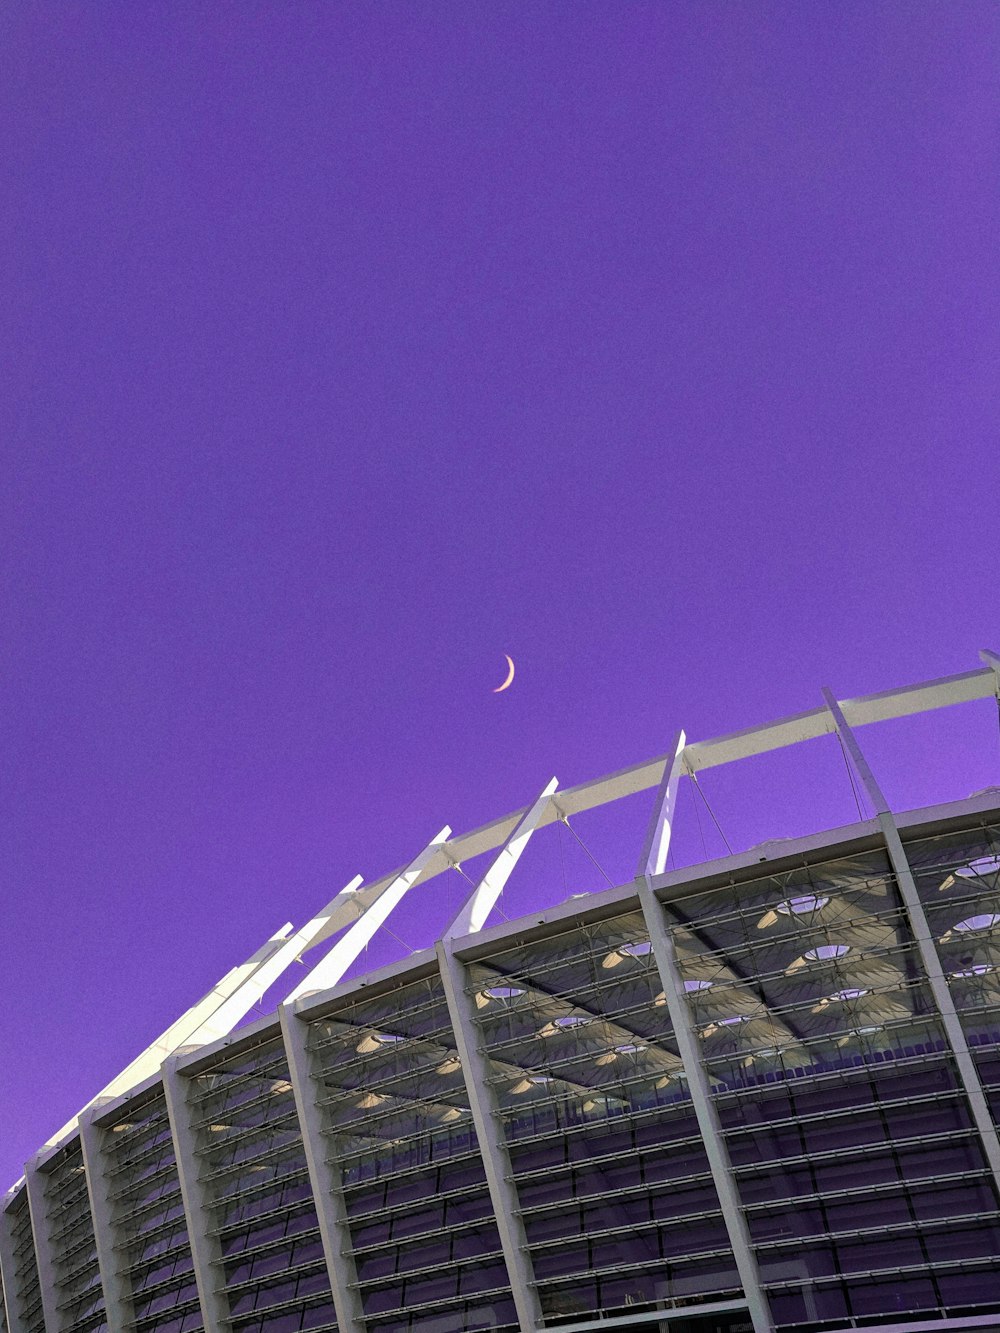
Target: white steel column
[656, 845]
[492, 1145]
[665, 953]
[205, 1250]
[473, 913]
[8, 1266]
[42, 1237]
[117, 1289]
[324, 1176]
[924, 940]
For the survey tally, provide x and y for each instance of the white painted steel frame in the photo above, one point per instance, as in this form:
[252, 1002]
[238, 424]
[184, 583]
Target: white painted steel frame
[379, 900]
[492, 1143]
[656, 844]
[665, 955]
[992, 660]
[41, 1236]
[117, 1288]
[923, 938]
[965, 687]
[325, 1178]
[338, 912]
[206, 1253]
[511, 834]
[183, 1030]
[743, 862]
[473, 913]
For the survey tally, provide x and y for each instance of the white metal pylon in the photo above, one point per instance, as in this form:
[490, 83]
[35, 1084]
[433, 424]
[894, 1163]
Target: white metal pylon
[473, 913]
[338, 912]
[373, 913]
[656, 844]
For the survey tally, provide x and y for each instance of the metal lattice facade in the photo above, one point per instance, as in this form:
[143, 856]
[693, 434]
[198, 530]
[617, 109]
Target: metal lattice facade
[754, 1095]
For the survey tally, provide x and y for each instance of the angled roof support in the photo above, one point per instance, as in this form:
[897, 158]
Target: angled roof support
[473, 913]
[118, 1309]
[656, 844]
[41, 1235]
[325, 1176]
[339, 911]
[206, 1249]
[477, 1073]
[373, 909]
[777, 735]
[923, 938]
[664, 950]
[180, 1032]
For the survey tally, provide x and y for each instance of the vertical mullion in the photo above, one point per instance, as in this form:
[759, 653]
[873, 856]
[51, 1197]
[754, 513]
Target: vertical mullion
[117, 1289]
[324, 1176]
[42, 1238]
[665, 954]
[923, 938]
[492, 1144]
[206, 1254]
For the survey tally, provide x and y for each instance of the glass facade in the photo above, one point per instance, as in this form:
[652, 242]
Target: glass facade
[25, 1294]
[150, 1231]
[864, 1182]
[958, 879]
[79, 1295]
[843, 1120]
[252, 1164]
[610, 1169]
[397, 1122]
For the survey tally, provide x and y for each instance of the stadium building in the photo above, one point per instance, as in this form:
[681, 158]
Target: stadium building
[760, 1093]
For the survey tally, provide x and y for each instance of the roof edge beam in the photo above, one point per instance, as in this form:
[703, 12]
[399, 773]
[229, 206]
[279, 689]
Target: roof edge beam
[908, 699]
[922, 698]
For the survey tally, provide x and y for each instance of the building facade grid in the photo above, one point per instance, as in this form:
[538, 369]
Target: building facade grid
[747, 1096]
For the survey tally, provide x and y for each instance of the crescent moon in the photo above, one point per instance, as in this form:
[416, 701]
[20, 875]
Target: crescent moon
[510, 675]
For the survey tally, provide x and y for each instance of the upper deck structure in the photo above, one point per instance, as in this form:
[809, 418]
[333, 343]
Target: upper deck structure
[758, 1093]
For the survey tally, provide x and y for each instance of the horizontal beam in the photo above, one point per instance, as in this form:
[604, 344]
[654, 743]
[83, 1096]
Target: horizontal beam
[924, 698]
[792, 730]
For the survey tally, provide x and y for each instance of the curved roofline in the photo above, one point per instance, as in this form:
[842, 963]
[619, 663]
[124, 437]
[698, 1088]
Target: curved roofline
[923, 697]
[742, 866]
[224, 1007]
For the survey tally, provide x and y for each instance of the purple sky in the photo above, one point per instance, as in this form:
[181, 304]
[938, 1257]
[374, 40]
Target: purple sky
[349, 347]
